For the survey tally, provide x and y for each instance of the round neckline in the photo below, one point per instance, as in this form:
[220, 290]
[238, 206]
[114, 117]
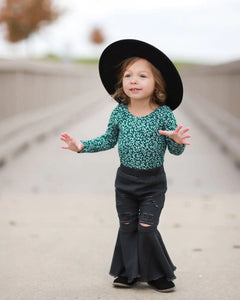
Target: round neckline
[142, 116]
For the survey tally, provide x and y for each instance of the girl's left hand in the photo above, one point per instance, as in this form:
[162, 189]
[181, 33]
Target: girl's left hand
[177, 135]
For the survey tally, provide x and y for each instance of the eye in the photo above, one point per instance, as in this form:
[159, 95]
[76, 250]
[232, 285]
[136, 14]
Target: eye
[126, 75]
[143, 76]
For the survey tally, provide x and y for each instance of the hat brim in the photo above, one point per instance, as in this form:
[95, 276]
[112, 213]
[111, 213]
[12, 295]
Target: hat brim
[122, 49]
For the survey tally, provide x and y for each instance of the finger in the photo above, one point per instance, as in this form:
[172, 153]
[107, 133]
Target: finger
[178, 128]
[186, 136]
[64, 147]
[66, 135]
[65, 140]
[63, 133]
[165, 132]
[185, 130]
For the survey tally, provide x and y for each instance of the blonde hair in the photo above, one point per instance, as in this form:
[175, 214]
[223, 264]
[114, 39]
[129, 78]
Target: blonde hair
[159, 94]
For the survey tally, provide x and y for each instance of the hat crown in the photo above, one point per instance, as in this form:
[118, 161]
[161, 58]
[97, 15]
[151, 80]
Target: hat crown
[116, 52]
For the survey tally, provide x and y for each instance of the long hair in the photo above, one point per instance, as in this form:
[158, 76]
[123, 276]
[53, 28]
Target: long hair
[159, 94]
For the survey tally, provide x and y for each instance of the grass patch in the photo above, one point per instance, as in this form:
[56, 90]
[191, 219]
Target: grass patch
[57, 58]
[184, 64]
[94, 60]
[91, 61]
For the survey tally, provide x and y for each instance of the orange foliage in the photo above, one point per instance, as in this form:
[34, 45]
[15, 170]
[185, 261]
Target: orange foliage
[24, 17]
[96, 36]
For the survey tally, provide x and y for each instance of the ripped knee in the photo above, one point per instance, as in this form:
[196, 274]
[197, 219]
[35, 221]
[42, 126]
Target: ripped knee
[128, 221]
[145, 225]
[130, 226]
[146, 220]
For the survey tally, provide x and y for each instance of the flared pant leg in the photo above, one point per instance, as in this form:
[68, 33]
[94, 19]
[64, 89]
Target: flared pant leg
[139, 250]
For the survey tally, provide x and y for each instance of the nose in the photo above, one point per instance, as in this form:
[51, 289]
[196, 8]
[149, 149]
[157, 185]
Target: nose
[133, 79]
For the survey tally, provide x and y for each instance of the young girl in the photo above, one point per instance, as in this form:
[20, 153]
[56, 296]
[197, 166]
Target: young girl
[148, 87]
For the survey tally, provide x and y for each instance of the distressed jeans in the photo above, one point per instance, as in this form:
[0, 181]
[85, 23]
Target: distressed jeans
[139, 251]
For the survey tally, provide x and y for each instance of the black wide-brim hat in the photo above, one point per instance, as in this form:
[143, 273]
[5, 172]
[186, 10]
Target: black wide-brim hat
[116, 52]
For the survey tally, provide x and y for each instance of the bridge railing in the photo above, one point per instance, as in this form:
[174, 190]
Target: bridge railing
[212, 98]
[28, 85]
[37, 98]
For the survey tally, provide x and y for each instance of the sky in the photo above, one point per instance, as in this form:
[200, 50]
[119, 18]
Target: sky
[205, 31]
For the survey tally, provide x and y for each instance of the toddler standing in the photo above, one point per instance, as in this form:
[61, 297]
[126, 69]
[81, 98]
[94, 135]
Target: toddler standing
[147, 87]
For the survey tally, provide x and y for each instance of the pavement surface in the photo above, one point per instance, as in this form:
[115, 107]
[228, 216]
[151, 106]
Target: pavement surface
[58, 222]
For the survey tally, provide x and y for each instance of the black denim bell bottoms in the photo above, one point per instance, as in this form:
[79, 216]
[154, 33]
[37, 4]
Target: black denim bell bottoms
[139, 251]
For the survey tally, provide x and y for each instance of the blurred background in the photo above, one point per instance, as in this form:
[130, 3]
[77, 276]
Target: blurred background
[49, 80]
[57, 207]
[196, 31]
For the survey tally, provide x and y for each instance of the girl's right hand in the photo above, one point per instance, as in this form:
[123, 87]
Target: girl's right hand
[72, 144]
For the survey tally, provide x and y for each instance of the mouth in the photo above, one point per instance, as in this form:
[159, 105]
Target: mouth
[134, 90]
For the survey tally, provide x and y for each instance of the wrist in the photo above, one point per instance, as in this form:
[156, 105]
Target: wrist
[80, 147]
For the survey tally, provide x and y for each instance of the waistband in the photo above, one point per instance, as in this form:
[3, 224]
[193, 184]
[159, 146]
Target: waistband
[141, 172]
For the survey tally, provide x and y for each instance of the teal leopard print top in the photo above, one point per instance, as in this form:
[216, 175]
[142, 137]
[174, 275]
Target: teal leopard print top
[140, 145]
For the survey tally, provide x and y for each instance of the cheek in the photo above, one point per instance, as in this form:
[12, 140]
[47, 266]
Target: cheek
[126, 91]
[149, 87]
[124, 86]
[152, 87]
[124, 82]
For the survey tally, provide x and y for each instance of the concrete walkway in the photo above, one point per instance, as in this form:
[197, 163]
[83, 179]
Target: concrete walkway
[58, 222]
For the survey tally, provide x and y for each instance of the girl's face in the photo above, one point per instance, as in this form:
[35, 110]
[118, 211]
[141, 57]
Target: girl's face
[138, 80]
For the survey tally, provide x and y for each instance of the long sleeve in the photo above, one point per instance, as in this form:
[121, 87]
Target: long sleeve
[107, 140]
[171, 124]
